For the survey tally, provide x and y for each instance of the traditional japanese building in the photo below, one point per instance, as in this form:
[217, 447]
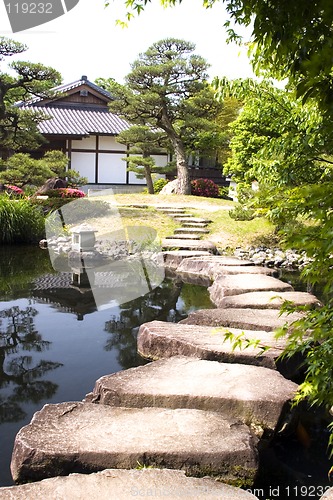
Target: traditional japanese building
[81, 125]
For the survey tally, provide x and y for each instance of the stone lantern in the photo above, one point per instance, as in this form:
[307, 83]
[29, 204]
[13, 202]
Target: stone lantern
[83, 238]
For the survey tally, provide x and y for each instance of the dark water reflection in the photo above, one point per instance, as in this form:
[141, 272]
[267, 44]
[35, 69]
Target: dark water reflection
[54, 343]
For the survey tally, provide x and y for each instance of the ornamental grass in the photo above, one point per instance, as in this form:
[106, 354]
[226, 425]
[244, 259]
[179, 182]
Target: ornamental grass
[20, 221]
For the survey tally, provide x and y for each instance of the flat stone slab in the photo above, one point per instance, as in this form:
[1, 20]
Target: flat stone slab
[242, 283]
[197, 230]
[185, 236]
[249, 319]
[83, 437]
[269, 300]
[192, 219]
[253, 394]
[121, 484]
[187, 223]
[159, 339]
[212, 266]
[189, 245]
[173, 258]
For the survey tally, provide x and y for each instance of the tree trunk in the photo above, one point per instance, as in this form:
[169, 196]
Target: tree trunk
[149, 180]
[183, 175]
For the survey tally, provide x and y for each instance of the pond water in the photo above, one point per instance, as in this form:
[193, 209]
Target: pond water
[54, 344]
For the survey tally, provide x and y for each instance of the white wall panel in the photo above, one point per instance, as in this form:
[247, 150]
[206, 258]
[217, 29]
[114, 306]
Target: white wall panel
[107, 142]
[84, 163]
[85, 143]
[132, 179]
[111, 168]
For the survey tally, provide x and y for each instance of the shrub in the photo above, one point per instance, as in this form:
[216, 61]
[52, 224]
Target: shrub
[159, 185]
[241, 212]
[65, 193]
[78, 212]
[13, 190]
[20, 222]
[205, 187]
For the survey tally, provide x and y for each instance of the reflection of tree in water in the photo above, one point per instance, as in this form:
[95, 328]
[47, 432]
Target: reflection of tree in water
[160, 304]
[19, 376]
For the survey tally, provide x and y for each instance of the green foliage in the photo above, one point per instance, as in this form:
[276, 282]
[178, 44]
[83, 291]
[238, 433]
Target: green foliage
[167, 90]
[21, 169]
[241, 212]
[241, 341]
[18, 125]
[290, 40]
[276, 140]
[159, 185]
[20, 222]
[143, 142]
[79, 212]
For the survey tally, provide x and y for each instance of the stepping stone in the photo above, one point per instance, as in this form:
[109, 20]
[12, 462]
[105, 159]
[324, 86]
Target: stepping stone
[249, 319]
[182, 215]
[170, 209]
[121, 484]
[172, 259]
[159, 339]
[82, 437]
[173, 210]
[197, 230]
[189, 245]
[225, 261]
[253, 394]
[269, 300]
[195, 220]
[242, 283]
[195, 224]
[187, 236]
[214, 265]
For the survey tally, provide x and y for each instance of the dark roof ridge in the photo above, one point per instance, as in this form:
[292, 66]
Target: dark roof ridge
[63, 88]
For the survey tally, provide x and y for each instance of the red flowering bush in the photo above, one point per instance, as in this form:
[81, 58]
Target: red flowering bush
[11, 189]
[65, 193]
[205, 187]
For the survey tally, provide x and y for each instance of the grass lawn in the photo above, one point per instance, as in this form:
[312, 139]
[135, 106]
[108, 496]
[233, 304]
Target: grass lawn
[139, 210]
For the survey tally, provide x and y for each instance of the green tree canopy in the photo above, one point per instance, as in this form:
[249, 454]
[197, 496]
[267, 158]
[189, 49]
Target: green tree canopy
[143, 142]
[276, 139]
[167, 90]
[289, 39]
[21, 169]
[18, 126]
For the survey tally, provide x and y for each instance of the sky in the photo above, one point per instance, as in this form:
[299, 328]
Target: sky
[86, 40]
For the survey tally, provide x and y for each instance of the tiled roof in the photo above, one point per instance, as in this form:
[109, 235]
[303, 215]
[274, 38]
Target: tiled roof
[79, 120]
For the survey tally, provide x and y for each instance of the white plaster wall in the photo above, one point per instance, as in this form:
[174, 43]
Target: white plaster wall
[85, 143]
[106, 142]
[160, 161]
[132, 179]
[84, 163]
[111, 168]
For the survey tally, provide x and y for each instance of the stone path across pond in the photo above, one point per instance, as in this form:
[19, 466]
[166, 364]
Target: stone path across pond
[120, 484]
[85, 437]
[201, 407]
